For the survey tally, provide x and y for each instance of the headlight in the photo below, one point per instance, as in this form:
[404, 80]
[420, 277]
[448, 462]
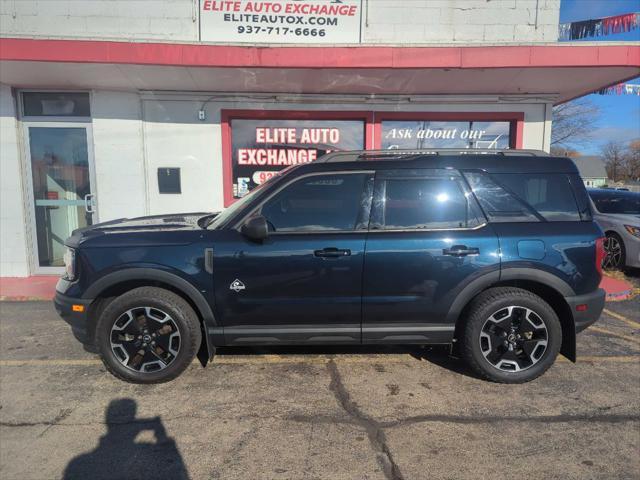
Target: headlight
[635, 231]
[69, 258]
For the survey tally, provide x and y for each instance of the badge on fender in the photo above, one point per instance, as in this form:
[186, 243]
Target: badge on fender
[236, 286]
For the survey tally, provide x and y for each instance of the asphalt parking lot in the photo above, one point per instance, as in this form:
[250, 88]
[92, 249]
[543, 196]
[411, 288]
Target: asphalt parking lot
[325, 413]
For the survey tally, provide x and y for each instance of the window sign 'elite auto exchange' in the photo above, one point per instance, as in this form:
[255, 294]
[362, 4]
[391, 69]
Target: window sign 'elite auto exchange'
[295, 21]
[261, 148]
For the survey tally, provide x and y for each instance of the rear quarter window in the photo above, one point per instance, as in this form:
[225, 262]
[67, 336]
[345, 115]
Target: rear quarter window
[516, 197]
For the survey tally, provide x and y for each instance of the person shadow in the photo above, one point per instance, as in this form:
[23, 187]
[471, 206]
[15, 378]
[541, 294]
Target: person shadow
[119, 456]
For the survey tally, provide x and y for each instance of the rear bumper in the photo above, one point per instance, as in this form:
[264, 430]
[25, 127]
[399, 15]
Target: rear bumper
[77, 320]
[586, 316]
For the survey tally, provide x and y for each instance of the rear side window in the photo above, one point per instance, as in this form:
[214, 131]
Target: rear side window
[513, 197]
[317, 203]
[550, 194]
[434, 203]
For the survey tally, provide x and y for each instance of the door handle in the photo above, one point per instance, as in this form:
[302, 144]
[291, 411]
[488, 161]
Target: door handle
[88, 203]
[460, 251]
[332, 252]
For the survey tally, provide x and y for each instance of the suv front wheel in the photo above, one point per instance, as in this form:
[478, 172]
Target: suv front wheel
[148, 335]
[510, 335]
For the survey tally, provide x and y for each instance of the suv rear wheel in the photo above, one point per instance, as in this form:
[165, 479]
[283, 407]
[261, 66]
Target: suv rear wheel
[510, 335]
[148, 335]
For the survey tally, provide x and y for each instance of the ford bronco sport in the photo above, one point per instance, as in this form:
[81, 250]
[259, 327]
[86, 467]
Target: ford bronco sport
[495, 253]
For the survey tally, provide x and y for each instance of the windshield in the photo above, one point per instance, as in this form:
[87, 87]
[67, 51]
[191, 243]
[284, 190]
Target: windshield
[231, 210]
[627, 203]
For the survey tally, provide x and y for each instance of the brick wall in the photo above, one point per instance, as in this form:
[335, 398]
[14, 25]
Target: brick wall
[461, 21]
[120, 19]
[383, 21]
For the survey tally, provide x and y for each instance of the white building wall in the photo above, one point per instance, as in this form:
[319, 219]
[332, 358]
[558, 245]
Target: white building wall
[13, 240]
[383, 21]
[175, 138]
[118, 154]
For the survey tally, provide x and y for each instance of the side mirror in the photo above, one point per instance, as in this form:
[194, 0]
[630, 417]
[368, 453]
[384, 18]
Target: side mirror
[256, 228]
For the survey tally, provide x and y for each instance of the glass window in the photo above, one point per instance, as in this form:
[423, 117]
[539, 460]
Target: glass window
[261, 148]
[498, 204]
[317, 203]
[55, 104]
[620, 202]
[515, 197]
[582, 198]
[428, 203]
[419, 134]
[550, 194]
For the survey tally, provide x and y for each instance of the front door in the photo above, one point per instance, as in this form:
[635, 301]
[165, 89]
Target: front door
[427, 241]
[61, 191]
[303, 284]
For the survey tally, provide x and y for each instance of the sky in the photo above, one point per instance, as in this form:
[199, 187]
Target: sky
[620, 119]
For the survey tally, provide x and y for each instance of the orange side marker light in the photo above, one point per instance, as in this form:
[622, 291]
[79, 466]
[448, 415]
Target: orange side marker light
[77, 308]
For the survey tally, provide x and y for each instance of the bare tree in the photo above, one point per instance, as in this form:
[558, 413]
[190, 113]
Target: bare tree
[633, 160]
[564, 152]
[615, 157]
[573, 122]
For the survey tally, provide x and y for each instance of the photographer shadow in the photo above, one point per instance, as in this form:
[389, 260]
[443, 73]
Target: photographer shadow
[120, 456]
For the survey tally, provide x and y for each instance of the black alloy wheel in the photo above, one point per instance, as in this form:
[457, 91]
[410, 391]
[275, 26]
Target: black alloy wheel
[614, 258]
[513, 339]
[145, 339]
[148, 335]
[510, 335]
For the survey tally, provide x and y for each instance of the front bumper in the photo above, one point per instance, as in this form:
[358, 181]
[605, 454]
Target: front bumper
[77, 320]
[586, 316]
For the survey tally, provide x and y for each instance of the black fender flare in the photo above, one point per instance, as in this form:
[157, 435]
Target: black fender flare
[177, 282]
[523, 274]
[472, 289]
[538, 276]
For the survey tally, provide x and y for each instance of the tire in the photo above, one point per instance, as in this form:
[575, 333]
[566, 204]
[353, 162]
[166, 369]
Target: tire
[615, 252]
[531, 346]
[154, 321]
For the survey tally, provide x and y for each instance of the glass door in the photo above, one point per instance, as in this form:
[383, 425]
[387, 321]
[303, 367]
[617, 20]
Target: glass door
[61, 166]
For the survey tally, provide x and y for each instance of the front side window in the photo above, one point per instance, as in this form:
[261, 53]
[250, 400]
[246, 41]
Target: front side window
[317, 203]
[432, 203]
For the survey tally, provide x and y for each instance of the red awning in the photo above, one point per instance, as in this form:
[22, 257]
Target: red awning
[564, 70]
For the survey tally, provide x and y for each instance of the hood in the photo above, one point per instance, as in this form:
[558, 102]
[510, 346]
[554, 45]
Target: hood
[174, 221]
[141, 227]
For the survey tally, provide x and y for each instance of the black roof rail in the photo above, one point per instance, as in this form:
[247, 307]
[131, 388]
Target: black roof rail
[353, 155]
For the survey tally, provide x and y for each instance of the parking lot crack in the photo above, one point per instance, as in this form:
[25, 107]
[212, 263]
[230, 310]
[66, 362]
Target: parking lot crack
[376, 435]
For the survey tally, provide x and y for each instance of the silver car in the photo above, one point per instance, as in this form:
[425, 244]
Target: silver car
[618, 214]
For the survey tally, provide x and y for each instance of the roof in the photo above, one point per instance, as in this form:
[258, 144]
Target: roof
[590, 166]
[492, 163]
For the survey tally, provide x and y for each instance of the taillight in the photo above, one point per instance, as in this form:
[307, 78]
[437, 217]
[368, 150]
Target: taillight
[600, 254]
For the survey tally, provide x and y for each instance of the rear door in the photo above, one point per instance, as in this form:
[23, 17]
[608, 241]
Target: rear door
[427, 241]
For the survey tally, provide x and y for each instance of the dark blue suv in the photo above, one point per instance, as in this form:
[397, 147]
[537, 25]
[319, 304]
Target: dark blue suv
[495, 253]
